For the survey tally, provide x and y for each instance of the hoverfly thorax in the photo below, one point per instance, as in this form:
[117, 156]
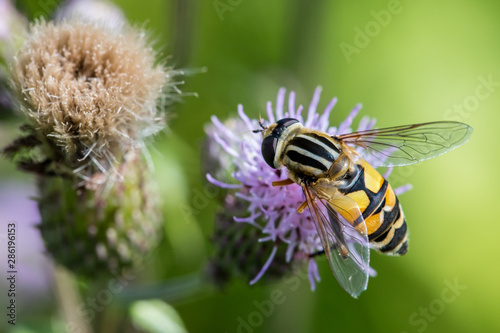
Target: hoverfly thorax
[274, 137]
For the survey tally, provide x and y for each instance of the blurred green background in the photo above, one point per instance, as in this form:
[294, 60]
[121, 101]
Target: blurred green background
[407, 62]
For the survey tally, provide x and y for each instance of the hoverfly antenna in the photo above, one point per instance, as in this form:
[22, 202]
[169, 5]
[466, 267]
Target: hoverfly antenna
[261, 125]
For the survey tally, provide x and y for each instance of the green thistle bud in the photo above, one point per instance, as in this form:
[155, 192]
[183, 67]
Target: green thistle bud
[92, 96]
[238, 252]
[103, 228]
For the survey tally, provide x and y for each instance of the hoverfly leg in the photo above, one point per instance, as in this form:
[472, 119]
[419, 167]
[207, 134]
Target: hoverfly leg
[283, 182]
[302, 206]
[315, 254]
[342, 251]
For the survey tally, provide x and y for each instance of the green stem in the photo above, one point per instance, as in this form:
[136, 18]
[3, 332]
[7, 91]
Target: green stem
[172, 290]
[69, 298]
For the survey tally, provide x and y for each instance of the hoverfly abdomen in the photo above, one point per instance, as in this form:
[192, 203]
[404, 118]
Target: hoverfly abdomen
[383, 215]
[394, 241]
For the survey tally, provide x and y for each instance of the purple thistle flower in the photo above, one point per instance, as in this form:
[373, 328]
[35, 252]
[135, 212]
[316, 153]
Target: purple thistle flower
[243, 171]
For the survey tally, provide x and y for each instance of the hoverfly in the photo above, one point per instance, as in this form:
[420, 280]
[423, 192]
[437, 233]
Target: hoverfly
[353, 207]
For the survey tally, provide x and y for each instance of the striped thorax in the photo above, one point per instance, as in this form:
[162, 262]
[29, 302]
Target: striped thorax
[301, 150]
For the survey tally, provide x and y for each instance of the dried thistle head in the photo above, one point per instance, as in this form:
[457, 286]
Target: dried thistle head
[90, 93]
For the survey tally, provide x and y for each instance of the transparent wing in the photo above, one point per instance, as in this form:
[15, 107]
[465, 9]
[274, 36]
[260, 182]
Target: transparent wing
[409, 144]
[346, 249]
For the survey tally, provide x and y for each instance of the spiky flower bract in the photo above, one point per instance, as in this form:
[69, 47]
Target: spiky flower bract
[92, 96]
[272, 210]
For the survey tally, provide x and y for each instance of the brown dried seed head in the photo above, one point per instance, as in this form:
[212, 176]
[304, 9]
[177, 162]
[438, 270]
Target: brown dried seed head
[90, 91]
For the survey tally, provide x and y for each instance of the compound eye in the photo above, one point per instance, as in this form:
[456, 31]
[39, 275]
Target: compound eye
[269, 150]
[284, 123]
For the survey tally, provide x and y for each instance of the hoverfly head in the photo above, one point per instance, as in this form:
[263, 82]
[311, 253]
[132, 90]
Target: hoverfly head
[271, 136]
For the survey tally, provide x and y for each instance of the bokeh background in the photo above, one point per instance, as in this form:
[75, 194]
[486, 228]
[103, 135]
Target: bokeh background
[407, 62]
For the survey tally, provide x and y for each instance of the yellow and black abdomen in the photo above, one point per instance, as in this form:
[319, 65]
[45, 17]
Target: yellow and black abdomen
[383, 215]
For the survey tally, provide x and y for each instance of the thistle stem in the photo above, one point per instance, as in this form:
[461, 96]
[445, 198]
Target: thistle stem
[172, 290]
[69, 299]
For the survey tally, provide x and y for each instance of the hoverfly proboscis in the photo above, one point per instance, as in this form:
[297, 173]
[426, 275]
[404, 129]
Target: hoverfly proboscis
[353, 207]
